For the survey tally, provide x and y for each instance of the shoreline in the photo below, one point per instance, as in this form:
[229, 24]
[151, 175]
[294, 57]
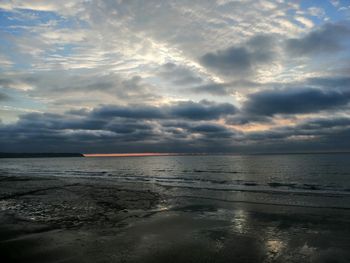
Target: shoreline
[91, 220]
[39, 155]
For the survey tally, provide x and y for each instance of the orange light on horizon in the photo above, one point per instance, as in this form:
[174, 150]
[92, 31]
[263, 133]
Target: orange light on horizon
[127, 154]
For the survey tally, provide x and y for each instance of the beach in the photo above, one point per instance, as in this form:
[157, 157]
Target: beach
[174, 131]
[94, 219]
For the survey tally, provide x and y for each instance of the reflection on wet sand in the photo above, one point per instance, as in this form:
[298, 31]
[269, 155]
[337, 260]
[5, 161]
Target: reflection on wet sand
[274, 248]
[131, 228]
[239, 222]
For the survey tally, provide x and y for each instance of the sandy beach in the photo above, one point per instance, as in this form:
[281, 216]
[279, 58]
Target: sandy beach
[58, 219]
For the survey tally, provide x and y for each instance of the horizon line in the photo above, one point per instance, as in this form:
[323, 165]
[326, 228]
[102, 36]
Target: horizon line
[203, 153]
[128, 154]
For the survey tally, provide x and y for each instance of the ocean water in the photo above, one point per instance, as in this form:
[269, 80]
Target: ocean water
[305, 180]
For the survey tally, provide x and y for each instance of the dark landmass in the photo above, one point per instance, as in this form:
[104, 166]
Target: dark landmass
[39, 155]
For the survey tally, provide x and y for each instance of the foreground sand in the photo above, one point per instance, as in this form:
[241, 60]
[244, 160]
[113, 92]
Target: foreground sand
[56, 219]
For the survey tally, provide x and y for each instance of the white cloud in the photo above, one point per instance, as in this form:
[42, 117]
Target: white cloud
[89, 53]
[306, 22]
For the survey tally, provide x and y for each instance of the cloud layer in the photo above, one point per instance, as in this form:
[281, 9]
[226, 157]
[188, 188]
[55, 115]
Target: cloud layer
[188, 76]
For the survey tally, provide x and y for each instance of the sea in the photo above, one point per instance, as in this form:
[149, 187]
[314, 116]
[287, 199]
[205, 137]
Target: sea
[301, 180]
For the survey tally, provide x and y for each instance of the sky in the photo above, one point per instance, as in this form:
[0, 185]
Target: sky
[224, 76]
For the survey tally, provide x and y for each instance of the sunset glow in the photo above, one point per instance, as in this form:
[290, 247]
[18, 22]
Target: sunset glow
[127, 154]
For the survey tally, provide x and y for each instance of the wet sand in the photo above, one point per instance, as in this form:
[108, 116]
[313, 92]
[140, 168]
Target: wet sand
[58, 219]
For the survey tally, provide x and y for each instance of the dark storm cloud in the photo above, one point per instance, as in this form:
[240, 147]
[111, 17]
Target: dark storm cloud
[112, 131]
[135, 112]
[49, 121]
[204, 130]
[330, 82]
[231, 59]
[119, 127]
[127, 127]
[292, 101]
[319, 94]
[246, 118]
[179, 75]
[203, 110]
[91, 133]
[322, 123]
[321, 132]
[243, 58]
[51, 132]
[327, 38]
[78, 112]
[212, 131]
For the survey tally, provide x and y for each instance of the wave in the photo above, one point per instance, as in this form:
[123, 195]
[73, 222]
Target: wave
[260, 203]
[195, 182]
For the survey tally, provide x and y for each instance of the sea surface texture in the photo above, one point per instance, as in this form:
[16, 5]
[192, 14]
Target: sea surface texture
[321, 180]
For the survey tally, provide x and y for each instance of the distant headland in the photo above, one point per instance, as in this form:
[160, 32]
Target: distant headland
[39, 155]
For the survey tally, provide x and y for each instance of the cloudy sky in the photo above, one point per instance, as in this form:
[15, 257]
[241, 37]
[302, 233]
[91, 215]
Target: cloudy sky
[174, 76]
